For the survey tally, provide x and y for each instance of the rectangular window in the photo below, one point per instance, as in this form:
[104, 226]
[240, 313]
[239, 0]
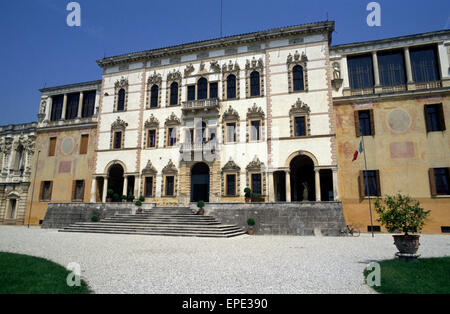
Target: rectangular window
[300, 126]
[171, 137]
[78, 191]
[391, 67]
[148, 186]
[424, 64]
[231, 132]
[212, 133]
[213, 90]
[434, 118]
[256, 183]
[84, 144]
[170, 186]
[46, 191]
[190, 136]
[256, 130]
[191, 93]
[52, 147]
[72, 106]
[364, 123]
[57, 104]
[117, 140]
[231, 185]
[440, 181]
[88, 104]
[360, 71]
[151, 139]
[370, 183]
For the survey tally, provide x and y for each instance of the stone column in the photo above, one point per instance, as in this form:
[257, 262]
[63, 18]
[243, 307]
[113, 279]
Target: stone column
[376, 72]
[125, 185]
[94, 190]
[105, 189]
[409, 77]
[271, 187]
[80, 105]
[318, 194]
[335, 185]
[48, 109]
[63, 113]
[137, 186]
[288, 186]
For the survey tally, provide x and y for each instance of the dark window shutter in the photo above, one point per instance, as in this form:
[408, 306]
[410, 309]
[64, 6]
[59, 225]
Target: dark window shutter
[427, 123]
[441, 118]
[362, 190]
[41, 193]
[51, 191]
[378, 183]
[432, 182]
[372, 123]
[357, 127]
[82, 190]
[74, 188]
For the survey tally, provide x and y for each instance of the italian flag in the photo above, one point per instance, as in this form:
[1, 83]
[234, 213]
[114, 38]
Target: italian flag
[358, 152]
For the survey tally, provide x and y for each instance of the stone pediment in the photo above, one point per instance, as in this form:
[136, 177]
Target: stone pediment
[231, 166]
[151, 122]
[214, 66]
[297, 58]
[300, 107]
[119, 124]
[155, 79]
[230, 115]
[255, 112]
[149, 169]
[122, 83]
[230, 67]
[256, 165]
[189, 70]
[170, 168]
[173, 120]
[174, 76]
[254, 64]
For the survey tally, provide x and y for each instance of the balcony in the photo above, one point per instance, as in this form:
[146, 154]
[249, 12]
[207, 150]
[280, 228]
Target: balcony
[211, 147]
[203, 105]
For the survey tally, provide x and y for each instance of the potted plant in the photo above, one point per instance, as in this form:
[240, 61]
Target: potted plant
[109, 195]
[142, 199]
[131, 198]
[251, 224]
[139, 204]
[248, 195]
[95, 219]
[124, 198]
[257, 198]
[400, 213]
[201, 205]
[116, 197]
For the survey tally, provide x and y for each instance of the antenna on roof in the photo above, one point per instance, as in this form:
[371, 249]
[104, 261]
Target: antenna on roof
[327, 16]
[221, 17]
[45, 85]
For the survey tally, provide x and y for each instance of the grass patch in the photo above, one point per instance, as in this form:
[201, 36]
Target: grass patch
[424, 276]
[22, 274]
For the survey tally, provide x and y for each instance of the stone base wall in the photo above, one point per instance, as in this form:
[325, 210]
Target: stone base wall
[19, 193]
[62, 215]
[302, 219]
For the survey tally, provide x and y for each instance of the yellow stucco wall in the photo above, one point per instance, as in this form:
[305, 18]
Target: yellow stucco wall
[401, 150]
[66, 166]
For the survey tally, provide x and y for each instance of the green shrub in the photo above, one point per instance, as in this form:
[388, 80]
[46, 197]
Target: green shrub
[95, 219]
[256, 195]
[138, 203]
[142, 199]
[124, 197]
[131, 197]
[400, 213]
[251, 222]
[116, 197]
[200, 204]
[110, 192]
[248, 192]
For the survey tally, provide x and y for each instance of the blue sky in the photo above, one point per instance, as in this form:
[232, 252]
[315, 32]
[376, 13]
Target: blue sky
[38, 48]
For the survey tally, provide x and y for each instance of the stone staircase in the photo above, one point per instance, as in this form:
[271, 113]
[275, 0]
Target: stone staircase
[160, 222]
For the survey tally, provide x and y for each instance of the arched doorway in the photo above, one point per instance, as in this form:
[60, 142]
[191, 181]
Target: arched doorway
[302, 178]
[115, 179]
[200, 182]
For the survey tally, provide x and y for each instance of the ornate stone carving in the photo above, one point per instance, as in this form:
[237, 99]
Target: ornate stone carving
[255, 112]
[170, 168]
[151, 122]
[254, 64]
[189, 70]
[299, 108]
[174, 76]
[231, 166]
[215, 67]
[230, 115]
[119, 124]
[122, 83]
[255, 165]
[337, 80]
[173, 120]
[231, 67]
[149, 170]
[297, 57]
[155, 78]
[293, 61]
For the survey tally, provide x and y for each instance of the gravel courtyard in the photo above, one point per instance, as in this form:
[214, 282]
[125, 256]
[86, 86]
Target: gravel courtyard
[247, 264]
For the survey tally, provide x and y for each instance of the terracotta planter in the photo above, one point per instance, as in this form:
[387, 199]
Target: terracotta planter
[248, 199]
[251, 232]
[108, 200]
[407, 244]
[201, 212]
[257, 199]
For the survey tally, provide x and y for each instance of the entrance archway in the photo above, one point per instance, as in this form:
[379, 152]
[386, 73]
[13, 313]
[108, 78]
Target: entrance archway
[200, 182]
[115, 179]
[280, 186]
[302, 178]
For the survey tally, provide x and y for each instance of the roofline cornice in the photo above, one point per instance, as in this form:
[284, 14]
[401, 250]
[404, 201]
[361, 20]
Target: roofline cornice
[71, 86]
[318, 27]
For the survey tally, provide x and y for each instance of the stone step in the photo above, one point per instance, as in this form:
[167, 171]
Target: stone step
[123, 225]
[165, 222]
[164, 234]
[198, 229]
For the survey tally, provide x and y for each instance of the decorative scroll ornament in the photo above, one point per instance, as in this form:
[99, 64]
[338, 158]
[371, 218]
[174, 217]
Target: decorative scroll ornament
[254, 64]
[231, 166]
[149, 169]
[256, 164]
[170, 168]
[122, 83]
[255, 111]
[155, 79]
[189, 70]
[119, 124]
[215, 67]
[151, 122]
[174, 76]
[297, 57]
[173, 119]
[300, 107]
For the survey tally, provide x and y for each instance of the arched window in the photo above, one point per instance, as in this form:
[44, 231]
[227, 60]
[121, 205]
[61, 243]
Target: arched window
[19, 159]
[297, 73]
[121, 100]
[202, 92]
[154, 93]
[174, 94]
[231, 86]
[254, 84]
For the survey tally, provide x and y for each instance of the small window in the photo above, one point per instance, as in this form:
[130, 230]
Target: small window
[256, 183]
[191, 93]
[84, 144]
[370, 183]
[154, 96]
[424, 64]
[231, 132]
[255, 84]
[364, 123]
[148, 186]
[231, 86]
[360, 71]
[171, 137]
[46, 191]
[256, 130]
[231, 185]
[170, 186]
[121, 100]
[12, 208]
[78, 191]
[440, 181]
[445, 229]
[73, 101]
[373, 229]
[174, 94]
[202, 92]
[57, 105]
[88, 104]
[52, 147]
[117, 140]
[300, 126]
[434, 118]
[297, 73]
[151, 143]
[213, 90]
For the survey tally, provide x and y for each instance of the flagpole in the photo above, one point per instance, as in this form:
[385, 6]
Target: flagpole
[368, 186]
